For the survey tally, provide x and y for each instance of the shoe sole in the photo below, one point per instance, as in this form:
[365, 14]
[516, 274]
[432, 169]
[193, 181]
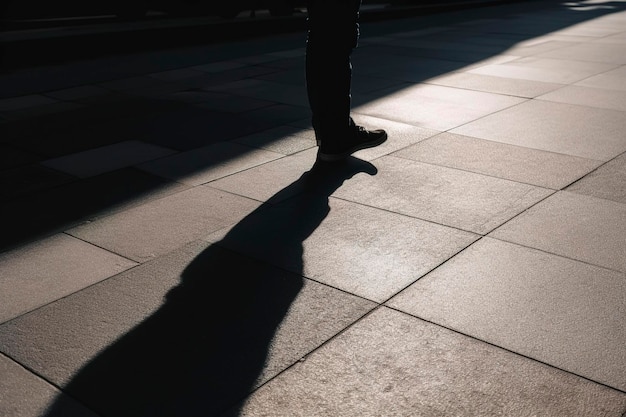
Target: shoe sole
[334, 157]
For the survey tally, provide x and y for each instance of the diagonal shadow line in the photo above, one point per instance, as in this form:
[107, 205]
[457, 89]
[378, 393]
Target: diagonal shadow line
[68, 201]
[205, 348]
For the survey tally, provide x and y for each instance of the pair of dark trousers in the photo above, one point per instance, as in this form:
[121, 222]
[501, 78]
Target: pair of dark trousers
[333, 32]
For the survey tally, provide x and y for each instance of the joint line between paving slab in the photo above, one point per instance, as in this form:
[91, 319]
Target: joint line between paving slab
[508, 350]
[46, 380]
[604, 163]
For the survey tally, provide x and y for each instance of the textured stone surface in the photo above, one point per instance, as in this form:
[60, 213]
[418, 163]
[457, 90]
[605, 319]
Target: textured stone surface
[494, 84]
[515, 163]
[580, 227]
[365, 251]
[206, 164]
[562, 312]
[157, 227]
[435, 107]
[107, 159]
[25, 395]
[41, 272]
[465, 200]
[608, 181]
[396, 365]
[195, 330]
[555, 127]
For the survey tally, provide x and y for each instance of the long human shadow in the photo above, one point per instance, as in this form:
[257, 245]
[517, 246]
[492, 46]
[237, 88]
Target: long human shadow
[204, 350]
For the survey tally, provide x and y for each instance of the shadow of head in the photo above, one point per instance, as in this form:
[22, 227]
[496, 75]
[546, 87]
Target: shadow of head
[207, 346]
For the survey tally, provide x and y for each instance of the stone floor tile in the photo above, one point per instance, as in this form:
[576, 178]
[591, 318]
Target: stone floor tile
[29, 179]
[24, 102]
[209, 163]
[72, 204]
[608, 181]
[51, 110]
[515, 163]
[559, 311]
[219, 66]
[26, 395]
[285, 140]
[195, 330]
[176, 74]
[558, 71]
[193, 127]
[555, 127]
[435, 107]
[460, 199]
[231, 103]
[79, 93]
[264, 181]
[610, 53]
[611, 80]
[497, 85]
[362, 250]
[587, 96]
[50, 269]
[413, 68]
[106, 159]
[585, 228]
[535, 47]
[132, 83]
[265, 90]
[160, 226]
[395, 365]
[13, 158]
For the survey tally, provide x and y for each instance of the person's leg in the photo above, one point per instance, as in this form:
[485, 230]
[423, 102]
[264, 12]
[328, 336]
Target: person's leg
[333, 34]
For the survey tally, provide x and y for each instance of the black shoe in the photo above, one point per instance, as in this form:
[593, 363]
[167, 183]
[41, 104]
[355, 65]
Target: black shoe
[361, 139]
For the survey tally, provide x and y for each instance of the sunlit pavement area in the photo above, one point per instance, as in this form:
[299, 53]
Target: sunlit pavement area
[170, 248]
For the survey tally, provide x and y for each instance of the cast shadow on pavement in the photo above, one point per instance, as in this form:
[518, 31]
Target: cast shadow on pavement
[205, 349]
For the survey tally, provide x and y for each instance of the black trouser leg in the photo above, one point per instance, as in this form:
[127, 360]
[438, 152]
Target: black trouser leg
[332, 35]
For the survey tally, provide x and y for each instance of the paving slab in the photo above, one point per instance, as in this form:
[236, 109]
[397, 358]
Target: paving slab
[587, 96]
[515, 163]
[548, 70]
[556, 310]
[196, 331]
[493, 84]
[278, 92]
[83, 92]
[395, 365]
[461, 199]
[435, 107]
[555, 127]
[79, 201]
[362, 250]
[286, 140]
[107, 158]
[584, 228]
[52, 268]
[271, 181]
[610, 80]
[26, 395]
[608, 181]
[208, 163]
[160, 226]
[28, 179]
[610, 53]
[24, 102]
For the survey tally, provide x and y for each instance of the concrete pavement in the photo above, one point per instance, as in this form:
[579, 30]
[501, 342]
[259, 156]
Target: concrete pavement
[170, 248]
